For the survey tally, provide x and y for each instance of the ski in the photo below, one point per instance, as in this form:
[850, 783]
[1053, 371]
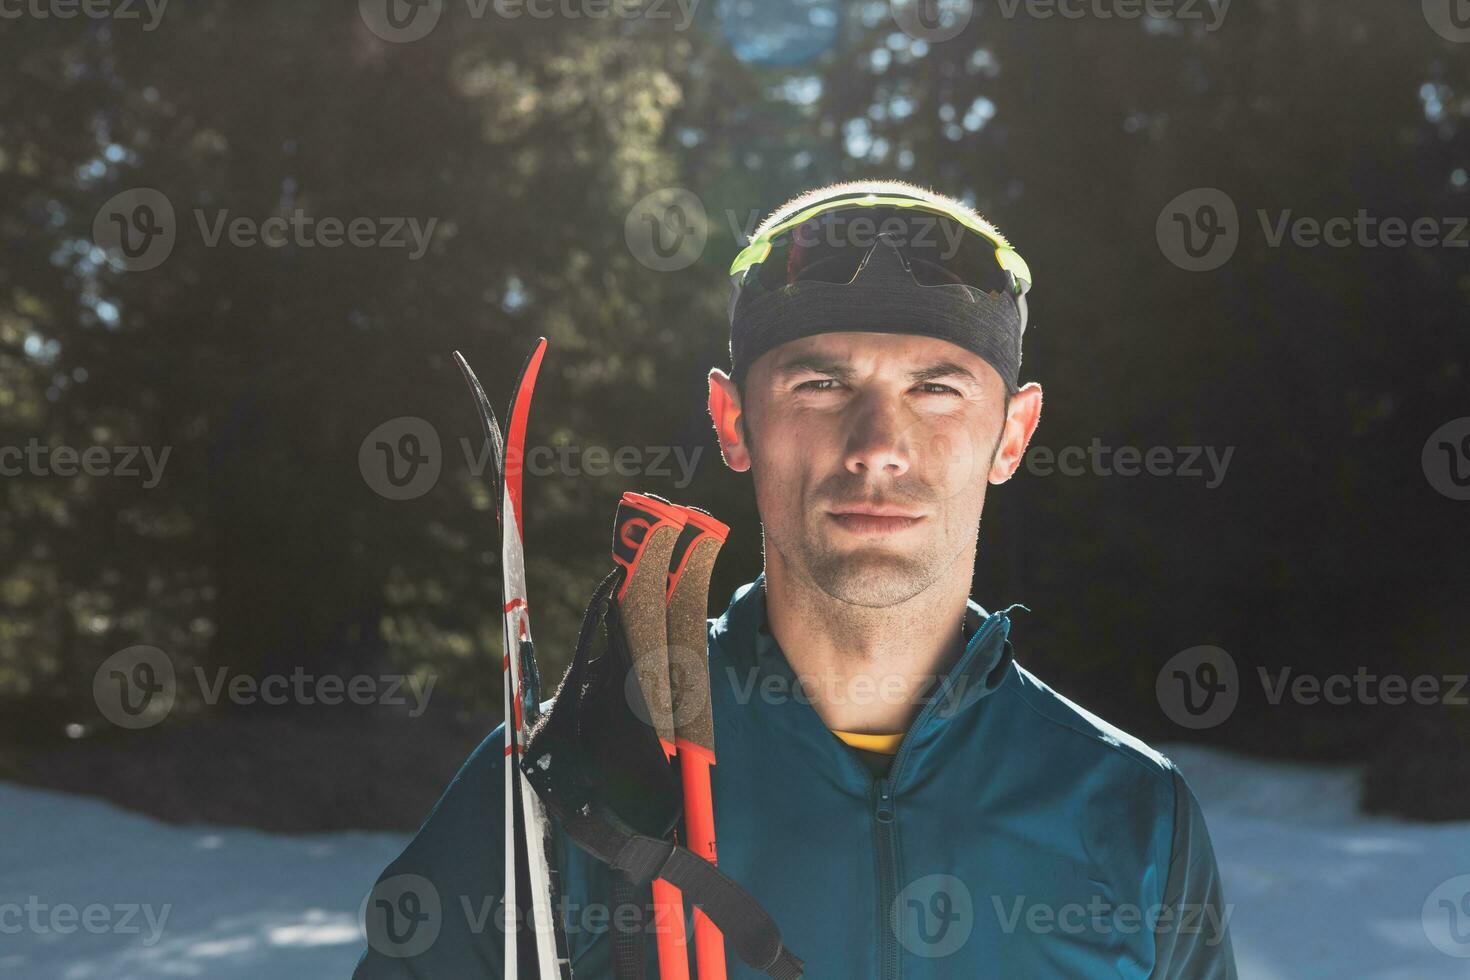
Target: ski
[528, 833]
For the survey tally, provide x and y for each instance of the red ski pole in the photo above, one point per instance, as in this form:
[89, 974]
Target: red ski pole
[645, 533]
[688, 601]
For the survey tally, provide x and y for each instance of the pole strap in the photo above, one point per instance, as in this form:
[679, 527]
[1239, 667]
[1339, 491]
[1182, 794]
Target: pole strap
[747, 927]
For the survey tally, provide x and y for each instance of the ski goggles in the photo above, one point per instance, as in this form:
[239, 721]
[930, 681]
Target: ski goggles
[828, 242]
[888, 264]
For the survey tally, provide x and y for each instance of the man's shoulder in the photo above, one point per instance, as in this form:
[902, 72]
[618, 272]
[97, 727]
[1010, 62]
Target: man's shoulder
[1068, 728]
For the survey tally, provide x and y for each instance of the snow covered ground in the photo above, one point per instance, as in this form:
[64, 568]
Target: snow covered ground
[1319, 890]
[88, 891]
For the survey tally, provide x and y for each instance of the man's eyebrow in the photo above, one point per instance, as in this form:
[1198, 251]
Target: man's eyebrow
[816, 365]
[943, 369]
[842, 372]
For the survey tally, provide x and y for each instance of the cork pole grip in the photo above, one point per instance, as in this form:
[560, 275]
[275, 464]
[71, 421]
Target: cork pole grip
[689, 578]
[644, 537]
[688, 645]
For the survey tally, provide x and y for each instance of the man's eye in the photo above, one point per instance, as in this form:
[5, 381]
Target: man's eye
[819, 384]
[935, 388]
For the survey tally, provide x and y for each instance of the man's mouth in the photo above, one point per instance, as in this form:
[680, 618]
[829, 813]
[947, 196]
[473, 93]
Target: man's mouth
[874, 519]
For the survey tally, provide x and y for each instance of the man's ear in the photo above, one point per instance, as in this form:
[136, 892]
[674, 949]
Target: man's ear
[725, 410]
[1022, 415]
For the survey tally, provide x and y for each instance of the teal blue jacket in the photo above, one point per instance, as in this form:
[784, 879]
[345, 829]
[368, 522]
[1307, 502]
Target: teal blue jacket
[1014, 835]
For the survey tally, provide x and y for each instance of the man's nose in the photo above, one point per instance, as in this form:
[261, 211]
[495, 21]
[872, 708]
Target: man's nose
[876, 438]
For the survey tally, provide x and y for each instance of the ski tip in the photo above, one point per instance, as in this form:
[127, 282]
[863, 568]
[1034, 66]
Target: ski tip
[490, 428]
[464, 367]
[469, 374]
[520, 411]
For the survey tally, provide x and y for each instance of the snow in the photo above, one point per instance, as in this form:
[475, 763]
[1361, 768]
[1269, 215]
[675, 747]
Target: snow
[90, 891]
[213, 902]
[1318, 889]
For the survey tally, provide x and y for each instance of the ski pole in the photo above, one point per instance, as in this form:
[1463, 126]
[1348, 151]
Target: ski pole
[645, 532]
[688, 604]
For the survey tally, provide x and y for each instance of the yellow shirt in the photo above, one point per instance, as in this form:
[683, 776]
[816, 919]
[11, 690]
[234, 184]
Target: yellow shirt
[874, 751]
[882, 744]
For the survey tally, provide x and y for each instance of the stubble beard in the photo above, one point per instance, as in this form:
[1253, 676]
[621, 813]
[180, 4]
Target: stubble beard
[872, 576]
[869, 576]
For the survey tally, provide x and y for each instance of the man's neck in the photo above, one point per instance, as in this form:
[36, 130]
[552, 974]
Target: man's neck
[865, 669]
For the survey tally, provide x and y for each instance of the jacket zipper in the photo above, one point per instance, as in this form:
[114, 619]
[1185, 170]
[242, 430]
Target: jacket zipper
[887, 878]
[885, 827]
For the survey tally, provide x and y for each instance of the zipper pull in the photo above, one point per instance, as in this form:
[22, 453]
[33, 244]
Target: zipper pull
[884, 811]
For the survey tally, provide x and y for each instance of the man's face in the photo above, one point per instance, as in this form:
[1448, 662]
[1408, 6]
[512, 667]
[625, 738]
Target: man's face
[870, 455]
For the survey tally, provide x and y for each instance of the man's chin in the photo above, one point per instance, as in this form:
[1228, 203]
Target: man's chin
[871, 575]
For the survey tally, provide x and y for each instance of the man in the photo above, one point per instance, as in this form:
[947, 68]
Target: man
[898, 793]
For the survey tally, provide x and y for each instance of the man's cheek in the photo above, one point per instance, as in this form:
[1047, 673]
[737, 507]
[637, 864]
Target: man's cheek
[774, 496]
[949, 461]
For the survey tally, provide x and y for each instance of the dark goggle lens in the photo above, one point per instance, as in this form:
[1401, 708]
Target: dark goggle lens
[830, 247]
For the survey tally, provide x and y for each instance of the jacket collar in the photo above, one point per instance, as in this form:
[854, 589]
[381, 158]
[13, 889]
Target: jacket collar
[748, 644]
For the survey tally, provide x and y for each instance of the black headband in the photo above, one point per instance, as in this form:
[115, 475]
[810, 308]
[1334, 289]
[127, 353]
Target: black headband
[883, 297]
